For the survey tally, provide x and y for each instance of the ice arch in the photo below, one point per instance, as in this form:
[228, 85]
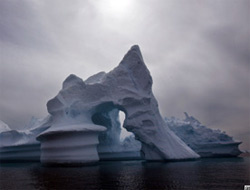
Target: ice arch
[73, 137]
[110, 146]
[109, 140]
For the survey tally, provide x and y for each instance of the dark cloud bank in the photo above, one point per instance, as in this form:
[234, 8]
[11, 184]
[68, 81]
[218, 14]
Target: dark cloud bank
[198, 53]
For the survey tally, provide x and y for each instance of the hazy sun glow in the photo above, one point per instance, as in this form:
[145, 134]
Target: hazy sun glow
[116, 8]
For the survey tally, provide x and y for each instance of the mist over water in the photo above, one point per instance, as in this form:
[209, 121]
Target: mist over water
[216, 174]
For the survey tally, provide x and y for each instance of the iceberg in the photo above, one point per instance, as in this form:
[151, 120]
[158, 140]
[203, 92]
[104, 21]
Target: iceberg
[204, 141]
[83, 124]
[21, 145]
[78, 116]
[4, 127]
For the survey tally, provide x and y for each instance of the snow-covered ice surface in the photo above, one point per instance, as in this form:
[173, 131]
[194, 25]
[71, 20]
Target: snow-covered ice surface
[205, 141]
[17, 145]
[128, 87]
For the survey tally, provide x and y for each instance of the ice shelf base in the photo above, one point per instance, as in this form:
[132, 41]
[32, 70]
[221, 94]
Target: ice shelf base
[70, 147]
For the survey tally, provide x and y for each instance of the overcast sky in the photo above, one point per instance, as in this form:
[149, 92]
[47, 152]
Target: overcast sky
[198, 53]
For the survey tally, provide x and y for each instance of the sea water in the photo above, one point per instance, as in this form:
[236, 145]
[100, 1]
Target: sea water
[212, 173]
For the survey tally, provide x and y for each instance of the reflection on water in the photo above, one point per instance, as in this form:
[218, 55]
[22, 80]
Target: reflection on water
[221, 173]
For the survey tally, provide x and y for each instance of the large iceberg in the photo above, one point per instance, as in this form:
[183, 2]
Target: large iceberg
[84, 127]
[21, 145]
[204, 141]
[78, 107]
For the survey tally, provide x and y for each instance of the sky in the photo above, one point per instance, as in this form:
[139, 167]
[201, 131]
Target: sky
[198, 53]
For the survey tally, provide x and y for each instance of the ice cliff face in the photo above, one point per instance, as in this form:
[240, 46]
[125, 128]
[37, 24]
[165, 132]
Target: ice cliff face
[205, 141]
[80, 104]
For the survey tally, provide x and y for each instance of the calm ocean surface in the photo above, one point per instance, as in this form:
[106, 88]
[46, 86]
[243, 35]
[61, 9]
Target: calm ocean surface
[216, 173]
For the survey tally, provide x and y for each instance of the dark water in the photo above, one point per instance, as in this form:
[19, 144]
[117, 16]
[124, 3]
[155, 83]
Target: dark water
[217, 173]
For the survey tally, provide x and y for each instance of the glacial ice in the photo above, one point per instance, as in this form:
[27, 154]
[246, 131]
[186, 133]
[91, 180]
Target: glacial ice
[16, 145]
[78, 107]
[4, 127]
[204, 141]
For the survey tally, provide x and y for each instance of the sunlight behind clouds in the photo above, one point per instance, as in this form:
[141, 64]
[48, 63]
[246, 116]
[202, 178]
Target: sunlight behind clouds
[116, 8]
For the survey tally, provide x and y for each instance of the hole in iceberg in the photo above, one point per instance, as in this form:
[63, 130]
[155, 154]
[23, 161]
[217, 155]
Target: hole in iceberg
[124, 133]
[116, 143]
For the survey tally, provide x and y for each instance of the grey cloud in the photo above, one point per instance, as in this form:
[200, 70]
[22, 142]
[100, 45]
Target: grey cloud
[20, 25]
